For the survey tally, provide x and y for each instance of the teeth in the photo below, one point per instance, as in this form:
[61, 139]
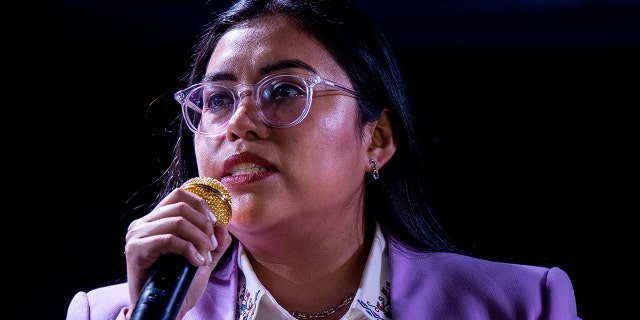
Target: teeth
[246, 168]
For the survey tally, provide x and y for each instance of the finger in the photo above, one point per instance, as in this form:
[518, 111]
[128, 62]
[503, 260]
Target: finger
[223, 241]
[145, 250]
[200, 207]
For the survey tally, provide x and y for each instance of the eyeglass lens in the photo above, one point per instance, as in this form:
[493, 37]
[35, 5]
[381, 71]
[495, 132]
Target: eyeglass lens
[280, 100]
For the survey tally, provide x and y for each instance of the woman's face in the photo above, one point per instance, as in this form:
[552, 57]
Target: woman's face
[309, 175]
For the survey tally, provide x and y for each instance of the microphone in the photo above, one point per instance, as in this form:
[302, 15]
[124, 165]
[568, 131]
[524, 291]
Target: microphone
[171, 275]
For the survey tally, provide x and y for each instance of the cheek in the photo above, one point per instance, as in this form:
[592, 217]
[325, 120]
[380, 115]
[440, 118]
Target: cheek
[339, 126]
[336, 122]
[205, 150]
[337, 137]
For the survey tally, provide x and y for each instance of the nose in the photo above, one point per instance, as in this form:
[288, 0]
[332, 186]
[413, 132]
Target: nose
[245, 123]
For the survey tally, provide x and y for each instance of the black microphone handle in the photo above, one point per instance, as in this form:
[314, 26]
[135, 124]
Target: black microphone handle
[165, 289]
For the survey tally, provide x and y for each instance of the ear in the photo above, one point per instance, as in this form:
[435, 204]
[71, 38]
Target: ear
[383, 143]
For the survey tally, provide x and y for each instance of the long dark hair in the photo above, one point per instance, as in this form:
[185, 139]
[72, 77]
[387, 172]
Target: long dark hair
[400, 200]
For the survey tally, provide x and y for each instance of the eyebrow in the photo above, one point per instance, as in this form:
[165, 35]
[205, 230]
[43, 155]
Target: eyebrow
[270, 67]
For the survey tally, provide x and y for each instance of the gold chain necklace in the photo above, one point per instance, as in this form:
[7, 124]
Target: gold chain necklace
[326, 313]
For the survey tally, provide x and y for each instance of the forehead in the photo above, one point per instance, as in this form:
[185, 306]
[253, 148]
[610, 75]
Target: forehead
[246, 48]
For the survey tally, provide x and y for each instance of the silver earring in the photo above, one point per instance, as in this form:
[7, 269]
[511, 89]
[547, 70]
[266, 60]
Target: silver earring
[374, 169]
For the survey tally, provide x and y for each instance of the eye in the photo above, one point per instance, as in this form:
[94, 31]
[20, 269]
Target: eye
[219, 100]
[279, 90]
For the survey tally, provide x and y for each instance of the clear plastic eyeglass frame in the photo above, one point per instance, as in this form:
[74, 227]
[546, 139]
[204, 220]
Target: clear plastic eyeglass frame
[263, 96]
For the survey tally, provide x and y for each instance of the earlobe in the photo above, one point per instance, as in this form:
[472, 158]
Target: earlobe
[383, 142]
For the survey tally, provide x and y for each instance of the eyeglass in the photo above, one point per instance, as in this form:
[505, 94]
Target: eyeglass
[282, 101]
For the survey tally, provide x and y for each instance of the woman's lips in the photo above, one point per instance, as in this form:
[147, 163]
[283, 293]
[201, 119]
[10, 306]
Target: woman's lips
[246, 167]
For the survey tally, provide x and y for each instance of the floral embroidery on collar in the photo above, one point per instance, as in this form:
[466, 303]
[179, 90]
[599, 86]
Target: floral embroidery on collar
[246, 306]
[381, 306]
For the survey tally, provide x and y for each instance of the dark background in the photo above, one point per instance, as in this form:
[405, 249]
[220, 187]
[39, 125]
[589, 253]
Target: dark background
[528, 107]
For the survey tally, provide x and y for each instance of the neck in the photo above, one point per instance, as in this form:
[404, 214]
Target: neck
[314, 275]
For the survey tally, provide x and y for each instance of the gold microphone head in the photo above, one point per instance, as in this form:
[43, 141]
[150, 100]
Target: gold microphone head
[214, 193]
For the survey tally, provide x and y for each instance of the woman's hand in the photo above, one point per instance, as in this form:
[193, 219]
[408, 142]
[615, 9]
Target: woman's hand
[183, 224]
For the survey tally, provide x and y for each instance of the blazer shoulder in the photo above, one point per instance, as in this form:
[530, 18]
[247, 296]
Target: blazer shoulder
[460, 265]
[494, 289]
[101, 303]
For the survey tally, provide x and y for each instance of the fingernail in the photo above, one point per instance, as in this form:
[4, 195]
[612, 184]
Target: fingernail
[213, 217]
[200, 257]
[214, 241]
[209, 256]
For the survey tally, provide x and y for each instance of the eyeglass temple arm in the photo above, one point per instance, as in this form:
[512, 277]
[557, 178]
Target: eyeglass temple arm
[342, 88]
[182, 99]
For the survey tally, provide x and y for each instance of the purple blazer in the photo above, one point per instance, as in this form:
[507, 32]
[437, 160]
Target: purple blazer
[424, 286]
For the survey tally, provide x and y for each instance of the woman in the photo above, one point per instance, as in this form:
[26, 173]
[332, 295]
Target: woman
[303, 115]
